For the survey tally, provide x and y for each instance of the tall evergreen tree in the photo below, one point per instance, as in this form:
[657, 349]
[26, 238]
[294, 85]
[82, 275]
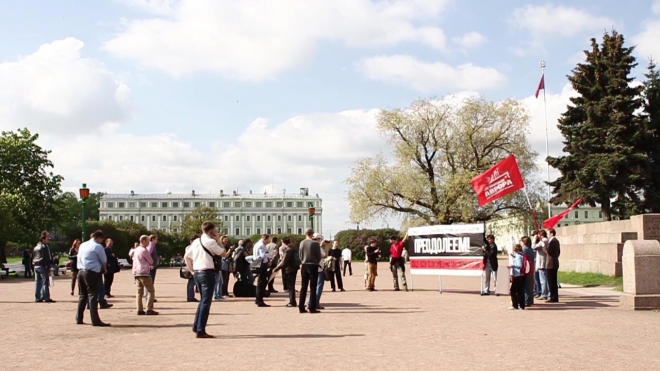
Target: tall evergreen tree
[603, 137]
[651, 117]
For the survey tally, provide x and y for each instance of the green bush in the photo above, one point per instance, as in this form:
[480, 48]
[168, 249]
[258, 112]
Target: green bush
[356, 240]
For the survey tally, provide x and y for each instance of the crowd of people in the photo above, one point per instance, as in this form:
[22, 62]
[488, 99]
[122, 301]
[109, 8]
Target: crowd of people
[533, 267]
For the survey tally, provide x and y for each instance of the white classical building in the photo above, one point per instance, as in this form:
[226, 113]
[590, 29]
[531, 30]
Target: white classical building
[242, 214]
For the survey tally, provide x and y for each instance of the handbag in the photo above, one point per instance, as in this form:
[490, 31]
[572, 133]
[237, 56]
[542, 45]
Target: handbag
[185, 273]
[217, 260]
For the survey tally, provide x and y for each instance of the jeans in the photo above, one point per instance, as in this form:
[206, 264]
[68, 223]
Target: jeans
[41, 289]
[529, 287]
[190, 290]
[309, 277]
[488, 271]
[543, 277]
[537, 283]
[350, 269]
[88, 285]
[217, 289]
[319, 289]
[290, 279]
[56, 270]
[399, 265]
[205, 280]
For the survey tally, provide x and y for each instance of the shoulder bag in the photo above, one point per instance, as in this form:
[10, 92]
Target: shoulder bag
[217, 260]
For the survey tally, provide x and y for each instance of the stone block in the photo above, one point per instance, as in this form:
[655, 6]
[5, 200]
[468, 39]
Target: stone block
[641, 282]
[639, 302]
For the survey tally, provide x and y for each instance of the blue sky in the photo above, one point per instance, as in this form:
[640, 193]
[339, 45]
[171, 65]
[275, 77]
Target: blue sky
[226, 94]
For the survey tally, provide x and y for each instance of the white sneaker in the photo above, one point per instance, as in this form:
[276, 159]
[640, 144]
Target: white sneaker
[512, 308]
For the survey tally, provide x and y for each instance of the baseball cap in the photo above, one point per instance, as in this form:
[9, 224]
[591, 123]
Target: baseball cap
[317, 236]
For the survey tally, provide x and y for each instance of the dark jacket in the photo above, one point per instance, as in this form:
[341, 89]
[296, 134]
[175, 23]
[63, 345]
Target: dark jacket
[26, 257]
[554, 250]
[113, 262]
[490, 254]
[41, 255]
[288, 262]
[73, 257]
[529, 252]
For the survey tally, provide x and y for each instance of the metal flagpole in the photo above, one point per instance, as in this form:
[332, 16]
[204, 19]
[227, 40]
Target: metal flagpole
[547, 154]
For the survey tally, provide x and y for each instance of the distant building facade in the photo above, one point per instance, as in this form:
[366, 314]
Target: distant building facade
[581, 215]
[242, 215]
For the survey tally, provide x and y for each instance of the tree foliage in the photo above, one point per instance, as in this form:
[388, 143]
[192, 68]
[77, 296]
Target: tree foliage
[191, 223]
[356, 240]
[28, 189]
[603, 136]
[651, 116]
[438, 146]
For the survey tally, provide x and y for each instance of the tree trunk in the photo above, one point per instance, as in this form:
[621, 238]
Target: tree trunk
[606, 208]
[3, 253]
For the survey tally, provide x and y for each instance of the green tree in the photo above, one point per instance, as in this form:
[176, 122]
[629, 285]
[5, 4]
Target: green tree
[356, 240]
[191, 223]
[70, 209]
[28, 189]
[602, 134]
[651, 115]
[437, 148]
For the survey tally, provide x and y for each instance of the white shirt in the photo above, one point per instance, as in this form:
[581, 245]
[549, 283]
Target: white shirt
[346, 254]
[260, 252]
[197, 259]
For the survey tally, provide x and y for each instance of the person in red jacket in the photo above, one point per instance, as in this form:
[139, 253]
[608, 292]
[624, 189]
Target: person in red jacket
[397, 262]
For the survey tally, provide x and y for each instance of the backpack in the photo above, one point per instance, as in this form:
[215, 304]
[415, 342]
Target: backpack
[526, 267]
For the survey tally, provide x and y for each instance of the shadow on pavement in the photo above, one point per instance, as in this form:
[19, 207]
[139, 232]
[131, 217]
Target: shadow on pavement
[292, 336]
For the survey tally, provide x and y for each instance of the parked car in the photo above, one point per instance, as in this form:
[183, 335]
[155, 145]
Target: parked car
[124, 264]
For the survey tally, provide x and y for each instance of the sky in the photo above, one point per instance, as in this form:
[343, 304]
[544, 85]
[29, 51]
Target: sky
[176, 95]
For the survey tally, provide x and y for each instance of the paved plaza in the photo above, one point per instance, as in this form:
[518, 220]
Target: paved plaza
[383, 330]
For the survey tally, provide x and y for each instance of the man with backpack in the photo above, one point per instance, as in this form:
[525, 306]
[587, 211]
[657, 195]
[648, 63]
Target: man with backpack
[290, 264]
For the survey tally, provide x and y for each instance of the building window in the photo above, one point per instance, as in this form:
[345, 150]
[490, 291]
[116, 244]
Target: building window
[110, 205]
[248, 204]
[600, 214]
[311, 204]
[238, 231]
[279, 230]
[226, 231]
[299, 230]
[586, 214]
[289, 204]
[186, 204]
[258, 230]
[153, 218]
[237, 218]
[174, 218]
[269, 204]
[131, 217]
[143, 204]
[121, 217]
[237, 204]
[299, 204]
[300, 218]
[268, 230]
[175, 204]
[247, 231]
[163, 204]
[258, 204]
[154, 204]
[197, 204]
[225, 205]
[289, 218]
[258, 218]
[226, 218]
[211, 204]
[279, 205]
[131, 204]
[267, 218]
[174, 230]
[288, 230]
[142, 218]
[576, 214]
[247, 219]
[164, 218]
[279, 218]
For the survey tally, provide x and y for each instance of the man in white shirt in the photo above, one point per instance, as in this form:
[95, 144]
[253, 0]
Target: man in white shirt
[199, 259]
[261, 254]
[541, 248]
[346, 256]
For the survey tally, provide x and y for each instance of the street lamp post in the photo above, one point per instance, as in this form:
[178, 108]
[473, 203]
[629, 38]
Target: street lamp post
[311, 210]
[84, 195]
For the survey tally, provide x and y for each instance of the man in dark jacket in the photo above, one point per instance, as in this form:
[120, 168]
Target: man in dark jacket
[490, 263]
[41, 259]
[112, 267]
[290, 267]
[552, 266]
[27, 263]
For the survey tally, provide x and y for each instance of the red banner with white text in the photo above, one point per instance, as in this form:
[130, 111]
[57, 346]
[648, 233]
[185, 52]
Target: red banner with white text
[498, 181]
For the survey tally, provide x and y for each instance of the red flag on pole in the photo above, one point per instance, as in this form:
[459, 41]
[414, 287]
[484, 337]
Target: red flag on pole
[552, 221]
[541, 86]
[498, 181]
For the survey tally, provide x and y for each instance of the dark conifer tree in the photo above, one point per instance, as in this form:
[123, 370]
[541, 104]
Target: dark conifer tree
[651, 117]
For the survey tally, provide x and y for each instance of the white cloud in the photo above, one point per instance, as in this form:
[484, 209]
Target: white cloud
[550, 21]
[160, 7]
[647, 41]
[656, 7]
[430, 76]
[55, 90]
[470, 40]
[257, 40]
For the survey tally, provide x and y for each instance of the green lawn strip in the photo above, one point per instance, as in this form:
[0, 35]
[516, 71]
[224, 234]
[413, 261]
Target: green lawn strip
[591, 279]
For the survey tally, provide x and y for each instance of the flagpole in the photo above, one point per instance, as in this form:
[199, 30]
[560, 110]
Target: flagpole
[547, 153]
[536, 222]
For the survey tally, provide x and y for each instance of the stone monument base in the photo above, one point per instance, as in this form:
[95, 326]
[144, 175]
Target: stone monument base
[639, 302]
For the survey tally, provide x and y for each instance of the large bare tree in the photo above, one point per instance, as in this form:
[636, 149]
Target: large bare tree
[437, 146]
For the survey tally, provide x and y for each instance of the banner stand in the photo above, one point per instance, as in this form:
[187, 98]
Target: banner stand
[412, 283]
[440, 278]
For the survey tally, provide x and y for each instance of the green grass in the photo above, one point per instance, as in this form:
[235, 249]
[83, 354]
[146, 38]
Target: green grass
[14, 259]
[591, 279]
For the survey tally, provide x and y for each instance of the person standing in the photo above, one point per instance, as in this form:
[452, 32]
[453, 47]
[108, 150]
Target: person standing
[199, 259]
[321, 275]
[290, 267]
[142, 264]
[27, 263]
[490, 263]
[273, 249]
[517, 279]
[335, 256]
[113, 267]
[219, 280]
[56, 265]
[91, 265]
[73, 258]
[310, 259]
[528, 251]
[541, 248]
[41, 260]
[552, 266]
[347, 256]
[153, 241]
[397, 262]
[263, 257]
[373, 252]
[190, 289]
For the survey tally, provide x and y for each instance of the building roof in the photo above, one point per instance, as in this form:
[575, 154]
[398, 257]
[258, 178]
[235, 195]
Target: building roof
[152, 196]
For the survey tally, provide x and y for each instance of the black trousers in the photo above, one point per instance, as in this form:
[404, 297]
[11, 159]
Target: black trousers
[518, 292]
[350, 269]
[310, 278]
[225, 283]
[88, 286]
[290, 279]
[262, 282]
[108, 278]
[337, 274]
[552, 284]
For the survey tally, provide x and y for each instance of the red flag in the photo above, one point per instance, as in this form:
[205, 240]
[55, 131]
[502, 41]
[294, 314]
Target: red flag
[541, 86]
[498, 181]
[552, 221]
